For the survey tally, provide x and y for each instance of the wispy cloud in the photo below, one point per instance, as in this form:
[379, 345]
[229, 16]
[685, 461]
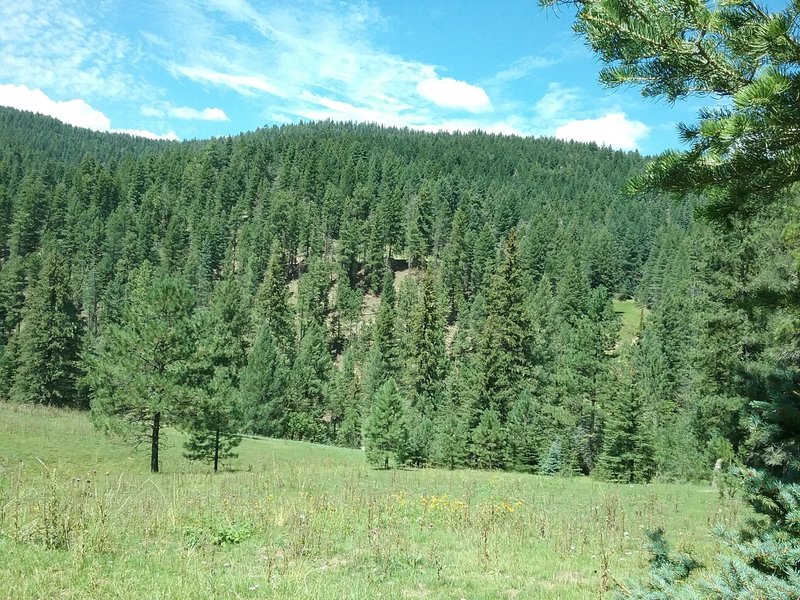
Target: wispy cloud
[244, 84]
[320, 63]
[556, 102]
[49, 44]
[283, 61]
[520, 69]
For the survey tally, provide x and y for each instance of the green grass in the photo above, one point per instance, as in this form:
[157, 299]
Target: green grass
[630, 319]
[80, 517]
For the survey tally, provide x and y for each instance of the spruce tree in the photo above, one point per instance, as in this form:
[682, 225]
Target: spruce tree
[313, 289]
[12, 296]
[375, 252]
[271, 305]
[628, 454]
[428, 361]
[385, 429]
[553, 461]
[311, 373]
[455, 261]
[344, 416]
[264, 387]
[421, 428]
[416, 244]
[49, 341]
[347, 311]
[489, 441]
[524, 428]
[382, 361]
[506, 345]
[450, 443]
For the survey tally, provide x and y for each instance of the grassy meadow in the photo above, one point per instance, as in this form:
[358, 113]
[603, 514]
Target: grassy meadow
[80, 517]
[630, 319]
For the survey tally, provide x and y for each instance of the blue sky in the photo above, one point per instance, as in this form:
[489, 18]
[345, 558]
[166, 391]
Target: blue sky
[183, 69]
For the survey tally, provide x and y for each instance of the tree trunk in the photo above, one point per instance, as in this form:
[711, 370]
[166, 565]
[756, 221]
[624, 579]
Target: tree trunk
[154, 442]
[216, 450]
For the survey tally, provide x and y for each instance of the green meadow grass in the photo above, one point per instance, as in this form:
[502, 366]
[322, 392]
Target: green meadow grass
[80, 517]
[630, 319]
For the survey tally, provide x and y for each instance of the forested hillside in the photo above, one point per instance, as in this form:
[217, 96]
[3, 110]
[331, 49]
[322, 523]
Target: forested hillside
[440, 299]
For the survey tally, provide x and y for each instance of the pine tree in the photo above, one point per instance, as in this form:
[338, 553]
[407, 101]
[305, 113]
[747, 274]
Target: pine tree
[385, 430]
[221, 356]
[138, 371]
[49, 341]
[211, 438]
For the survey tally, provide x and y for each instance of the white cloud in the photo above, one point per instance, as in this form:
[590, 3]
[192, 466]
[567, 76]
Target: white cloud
[75, 112]
[151, 111]
[192, 114]
[614, 129]
[451, 93]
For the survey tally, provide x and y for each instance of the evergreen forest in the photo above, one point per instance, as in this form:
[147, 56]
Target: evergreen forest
[451, 300]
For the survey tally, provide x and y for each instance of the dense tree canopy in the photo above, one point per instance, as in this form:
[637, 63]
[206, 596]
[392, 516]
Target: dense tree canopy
[479, 272]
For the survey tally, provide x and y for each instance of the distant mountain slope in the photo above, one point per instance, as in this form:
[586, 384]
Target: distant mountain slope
[520, 244]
